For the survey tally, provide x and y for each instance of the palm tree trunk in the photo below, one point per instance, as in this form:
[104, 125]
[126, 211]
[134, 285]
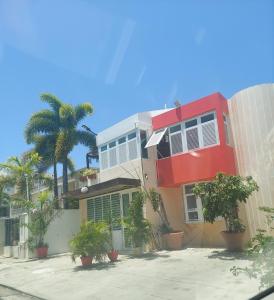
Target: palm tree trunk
[65, 178]
[55, 180]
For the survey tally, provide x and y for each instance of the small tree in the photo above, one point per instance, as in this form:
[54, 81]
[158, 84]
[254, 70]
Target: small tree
[41, 215]
[222, 196]
[138, 228]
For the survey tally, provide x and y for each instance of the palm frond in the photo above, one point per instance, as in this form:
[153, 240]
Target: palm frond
[82, 110]
[85, 138]
[39, 126]
[54, 102]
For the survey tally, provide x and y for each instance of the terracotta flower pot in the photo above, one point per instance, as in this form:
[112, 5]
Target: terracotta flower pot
[86, 260]
[113, 255]
[234, 240]
[173, 240]
[42, 252]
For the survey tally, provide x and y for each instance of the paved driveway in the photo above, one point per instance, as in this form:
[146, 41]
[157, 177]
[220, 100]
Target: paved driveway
[186, 274]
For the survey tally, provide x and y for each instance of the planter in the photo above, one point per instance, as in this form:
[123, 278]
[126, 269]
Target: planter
[86, 260]
[173, 240]
[42, 252]
[234, 240]
[7, 251]
[15, 251]
[113, 255]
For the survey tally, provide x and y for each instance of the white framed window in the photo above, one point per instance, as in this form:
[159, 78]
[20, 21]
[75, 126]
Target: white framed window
[104, 157]
[176, 139]
[122, 150]
[132, 146]
[193, 205]
[209, 130]
[112, 154]
[192, 134]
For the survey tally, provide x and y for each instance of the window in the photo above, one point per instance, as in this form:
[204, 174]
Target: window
[122, 150]
[104, 157]
[156, 138]
[192, 138]
[207, 118]
[176, 140]
[112, 154]
[163, 148]
[104, 148]
[143, 138]
[193, 205]
[132, 146]
[132, 136]
[191, 123]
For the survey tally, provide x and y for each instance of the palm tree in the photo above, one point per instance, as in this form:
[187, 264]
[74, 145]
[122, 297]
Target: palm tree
[42, 131]
[45, 147]
[55, 132]
[70, 135]
[22, 173]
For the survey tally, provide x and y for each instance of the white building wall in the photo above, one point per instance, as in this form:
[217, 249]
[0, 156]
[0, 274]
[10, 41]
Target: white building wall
[252, 121]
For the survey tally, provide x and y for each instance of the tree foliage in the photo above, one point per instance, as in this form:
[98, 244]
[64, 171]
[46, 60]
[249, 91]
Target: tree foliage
[21, 173]
[41, 214]
[138, 228]
[92, 240]
[222, 196]
[261, 252]
[55, 132]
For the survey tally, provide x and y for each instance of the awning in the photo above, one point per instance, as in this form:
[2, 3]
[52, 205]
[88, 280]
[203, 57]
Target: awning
[156, 138]
[106, 187]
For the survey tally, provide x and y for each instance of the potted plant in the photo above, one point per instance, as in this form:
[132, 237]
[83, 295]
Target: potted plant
[92, 242]
[138, 229]
[172, 239]
[221, 198]
[88, 174]
[40, 217]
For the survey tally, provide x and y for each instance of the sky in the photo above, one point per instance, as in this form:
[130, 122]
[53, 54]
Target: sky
[126, 57]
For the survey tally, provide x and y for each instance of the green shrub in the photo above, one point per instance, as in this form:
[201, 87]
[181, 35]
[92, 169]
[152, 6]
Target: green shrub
[92, 240]
[221, 198]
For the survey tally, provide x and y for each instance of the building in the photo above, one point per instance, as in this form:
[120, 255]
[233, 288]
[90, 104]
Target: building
[171, 150]
[14, 235]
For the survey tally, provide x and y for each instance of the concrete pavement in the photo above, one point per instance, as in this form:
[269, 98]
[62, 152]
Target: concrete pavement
[186, 274]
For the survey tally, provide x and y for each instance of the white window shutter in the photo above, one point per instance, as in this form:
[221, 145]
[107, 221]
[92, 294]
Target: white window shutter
[132, 149]
[209, 134]
[192, 138]
[176, 143]
[104, 159]
[112, 157]
[122, 150]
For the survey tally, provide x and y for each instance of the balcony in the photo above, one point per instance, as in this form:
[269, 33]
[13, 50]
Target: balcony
[193, 166]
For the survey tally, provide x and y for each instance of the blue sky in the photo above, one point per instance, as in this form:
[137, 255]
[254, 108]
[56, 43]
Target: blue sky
[126, 56]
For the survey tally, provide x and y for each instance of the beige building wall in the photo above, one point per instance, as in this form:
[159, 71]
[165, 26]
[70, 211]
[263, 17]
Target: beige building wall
[252, 121]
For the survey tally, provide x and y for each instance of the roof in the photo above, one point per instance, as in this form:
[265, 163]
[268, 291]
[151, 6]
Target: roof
[106, 187]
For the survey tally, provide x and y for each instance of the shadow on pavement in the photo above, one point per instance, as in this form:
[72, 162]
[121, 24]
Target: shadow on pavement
[149, 256]
[96, 266]
[227, 255]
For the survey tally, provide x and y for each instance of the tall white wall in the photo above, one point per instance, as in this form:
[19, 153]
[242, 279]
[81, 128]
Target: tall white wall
[61, 231]
[252, 121]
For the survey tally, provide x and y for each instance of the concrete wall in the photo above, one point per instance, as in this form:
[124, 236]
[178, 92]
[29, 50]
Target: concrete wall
[252, 121]
[61, 230]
